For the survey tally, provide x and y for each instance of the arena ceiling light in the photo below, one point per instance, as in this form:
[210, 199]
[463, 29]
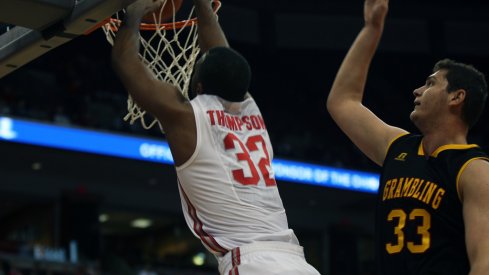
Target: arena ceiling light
[141, 223]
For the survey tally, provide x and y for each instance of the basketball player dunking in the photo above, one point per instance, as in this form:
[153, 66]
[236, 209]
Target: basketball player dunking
[221, 149]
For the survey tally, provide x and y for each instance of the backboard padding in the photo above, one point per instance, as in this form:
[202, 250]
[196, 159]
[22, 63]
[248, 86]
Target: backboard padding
[21, 45]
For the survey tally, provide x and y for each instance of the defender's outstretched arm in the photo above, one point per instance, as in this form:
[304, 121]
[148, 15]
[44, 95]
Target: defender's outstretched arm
[344, 103]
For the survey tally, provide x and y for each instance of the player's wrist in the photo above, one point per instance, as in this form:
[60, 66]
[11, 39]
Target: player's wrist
[374, 29]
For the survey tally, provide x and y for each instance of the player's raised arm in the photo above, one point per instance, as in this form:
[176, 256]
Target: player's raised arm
[209, 30]
[344, 102]
[159, 98]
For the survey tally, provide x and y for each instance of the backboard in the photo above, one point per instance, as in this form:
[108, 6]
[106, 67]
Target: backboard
[34, 27]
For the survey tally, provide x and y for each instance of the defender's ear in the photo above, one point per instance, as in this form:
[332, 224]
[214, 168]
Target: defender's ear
[457, 97]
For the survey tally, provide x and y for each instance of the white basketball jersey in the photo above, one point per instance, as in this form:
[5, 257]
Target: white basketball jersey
[228, 189]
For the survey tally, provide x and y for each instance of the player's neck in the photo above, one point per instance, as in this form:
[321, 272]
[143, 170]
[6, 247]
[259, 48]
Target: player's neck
[441, 132]
[433, 141]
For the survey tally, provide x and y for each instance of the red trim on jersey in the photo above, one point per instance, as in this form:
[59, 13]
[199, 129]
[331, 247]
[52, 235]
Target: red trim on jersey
[209, 241]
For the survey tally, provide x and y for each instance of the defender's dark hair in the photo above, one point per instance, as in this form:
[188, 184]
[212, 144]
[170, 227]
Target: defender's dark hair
[225, 73]
[466, 77]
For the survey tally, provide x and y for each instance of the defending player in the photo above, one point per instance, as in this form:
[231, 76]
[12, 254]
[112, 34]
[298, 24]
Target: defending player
[221, 149]
[433, 210]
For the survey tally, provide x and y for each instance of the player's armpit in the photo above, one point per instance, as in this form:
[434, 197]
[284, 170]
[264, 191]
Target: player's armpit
[474, 191]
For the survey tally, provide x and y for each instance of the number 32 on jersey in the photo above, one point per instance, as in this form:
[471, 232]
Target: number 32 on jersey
[257, 170]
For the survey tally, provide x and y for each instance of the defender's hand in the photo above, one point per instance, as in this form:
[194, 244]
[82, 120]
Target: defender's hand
[375, 12]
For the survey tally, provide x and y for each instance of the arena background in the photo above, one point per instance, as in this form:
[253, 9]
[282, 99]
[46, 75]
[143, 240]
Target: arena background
[49, 197]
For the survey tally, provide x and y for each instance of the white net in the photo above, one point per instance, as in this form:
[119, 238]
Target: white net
[169, 50]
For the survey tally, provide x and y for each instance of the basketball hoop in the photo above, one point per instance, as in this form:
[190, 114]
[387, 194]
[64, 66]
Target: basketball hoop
[168, 49]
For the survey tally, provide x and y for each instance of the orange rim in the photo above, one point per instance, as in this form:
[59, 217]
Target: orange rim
[115, 23]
